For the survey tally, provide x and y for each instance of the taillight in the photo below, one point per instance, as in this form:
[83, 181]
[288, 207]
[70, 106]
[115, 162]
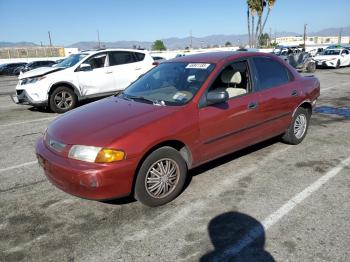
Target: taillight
[155, 63]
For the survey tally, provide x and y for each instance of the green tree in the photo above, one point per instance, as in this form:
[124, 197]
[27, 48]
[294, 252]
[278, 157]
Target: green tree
[264, 40]
[228, 43]
[158, 45]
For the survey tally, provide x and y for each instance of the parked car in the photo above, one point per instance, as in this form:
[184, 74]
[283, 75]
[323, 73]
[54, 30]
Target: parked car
[183, 113]
[296, 57]
[333, 58]
[303, 62]
[37, 64]
[10, 68]
[81, 76]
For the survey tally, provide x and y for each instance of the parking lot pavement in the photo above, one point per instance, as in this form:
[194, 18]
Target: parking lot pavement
[269, 202]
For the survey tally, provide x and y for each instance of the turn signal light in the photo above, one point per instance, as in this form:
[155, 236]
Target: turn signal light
[106, 155]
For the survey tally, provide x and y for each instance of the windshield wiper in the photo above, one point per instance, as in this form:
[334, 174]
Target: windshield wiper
[142, 99]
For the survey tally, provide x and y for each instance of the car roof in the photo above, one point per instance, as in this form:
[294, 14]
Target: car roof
[89, 52]
[215, 57]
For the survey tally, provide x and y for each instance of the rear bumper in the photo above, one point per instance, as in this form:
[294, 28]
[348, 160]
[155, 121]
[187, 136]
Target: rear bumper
[87, 180]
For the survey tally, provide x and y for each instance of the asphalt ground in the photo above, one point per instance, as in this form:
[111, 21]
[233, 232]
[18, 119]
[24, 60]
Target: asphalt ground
[270, 202]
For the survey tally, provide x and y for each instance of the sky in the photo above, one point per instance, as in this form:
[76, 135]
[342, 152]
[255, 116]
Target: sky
[70, 21]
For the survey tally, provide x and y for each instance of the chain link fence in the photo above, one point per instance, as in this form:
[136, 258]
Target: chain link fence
[31, 52]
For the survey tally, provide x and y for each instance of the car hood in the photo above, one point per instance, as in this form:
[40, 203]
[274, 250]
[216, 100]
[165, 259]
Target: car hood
[103, 122]
[326, 57]
[39, 72]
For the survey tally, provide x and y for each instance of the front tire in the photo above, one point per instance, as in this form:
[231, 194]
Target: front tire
[62, 100]
[161, 177]
[297, 130]
[338, 64]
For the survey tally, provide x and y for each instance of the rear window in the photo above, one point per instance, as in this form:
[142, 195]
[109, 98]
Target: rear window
[270, 73]
[120, 58]
[140, 56]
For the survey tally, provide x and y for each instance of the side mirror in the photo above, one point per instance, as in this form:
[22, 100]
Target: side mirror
[85, 67]
[217, 97]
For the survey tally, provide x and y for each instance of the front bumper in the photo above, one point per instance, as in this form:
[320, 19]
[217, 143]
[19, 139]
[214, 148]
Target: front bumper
[87, 180]
[22, 97]
[331, 63]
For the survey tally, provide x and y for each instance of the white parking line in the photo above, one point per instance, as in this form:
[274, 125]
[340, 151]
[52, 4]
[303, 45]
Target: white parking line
[331, 87]
[29, 121]
[272, 219]
[18, 166]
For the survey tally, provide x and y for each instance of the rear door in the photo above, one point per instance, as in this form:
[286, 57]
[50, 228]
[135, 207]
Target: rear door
[126, 68]
[99, 79]
[278, 94]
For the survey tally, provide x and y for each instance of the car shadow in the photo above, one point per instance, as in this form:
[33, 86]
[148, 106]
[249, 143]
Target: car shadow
[237, 237]
[228, 158]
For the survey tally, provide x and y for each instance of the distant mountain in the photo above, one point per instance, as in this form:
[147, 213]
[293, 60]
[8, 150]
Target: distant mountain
[181, 43]
[333, 31]
[17, 44]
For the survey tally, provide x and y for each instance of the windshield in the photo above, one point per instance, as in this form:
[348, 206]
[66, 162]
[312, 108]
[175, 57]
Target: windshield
[71, 60]
[169, 83]
[331, 52]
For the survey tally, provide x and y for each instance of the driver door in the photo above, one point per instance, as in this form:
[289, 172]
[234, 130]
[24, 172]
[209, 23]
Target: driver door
[99, 78]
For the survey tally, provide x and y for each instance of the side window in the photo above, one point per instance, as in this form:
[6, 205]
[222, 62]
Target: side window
[97, 61]
[270, 73]
[120, 58]
[346, 52]
[139, 56]
[234, 79]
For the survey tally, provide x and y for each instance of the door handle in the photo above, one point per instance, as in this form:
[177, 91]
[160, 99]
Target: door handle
[109, 72]
[252, 105]
[138, 68]
[294, 92]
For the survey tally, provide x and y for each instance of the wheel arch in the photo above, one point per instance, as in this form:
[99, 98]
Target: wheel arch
[176, 144]
[306, 104]
[66, 84]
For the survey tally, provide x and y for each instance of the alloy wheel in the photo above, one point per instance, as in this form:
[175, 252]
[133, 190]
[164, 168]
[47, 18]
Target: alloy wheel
[63, 100]
[300, 125]
[162, 178]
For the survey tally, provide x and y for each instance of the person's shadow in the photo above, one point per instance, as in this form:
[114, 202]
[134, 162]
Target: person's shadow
[237, 237]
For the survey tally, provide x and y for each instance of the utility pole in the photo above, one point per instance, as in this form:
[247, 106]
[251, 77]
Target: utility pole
[305, 26]
[191, 39]
[98, 39]
[270, 36]
[50, 38]
[340, 33]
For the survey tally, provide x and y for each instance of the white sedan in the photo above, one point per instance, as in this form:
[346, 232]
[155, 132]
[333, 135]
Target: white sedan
[333, 58]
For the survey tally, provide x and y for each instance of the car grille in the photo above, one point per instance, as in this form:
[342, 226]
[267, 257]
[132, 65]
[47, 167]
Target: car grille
[19, 92]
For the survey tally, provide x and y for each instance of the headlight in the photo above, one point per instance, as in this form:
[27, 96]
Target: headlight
[32, 80]
[95, 154]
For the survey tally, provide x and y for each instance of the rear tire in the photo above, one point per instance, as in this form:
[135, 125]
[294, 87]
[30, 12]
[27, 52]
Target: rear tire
[161, 177]
[297, 130]
[62, 100]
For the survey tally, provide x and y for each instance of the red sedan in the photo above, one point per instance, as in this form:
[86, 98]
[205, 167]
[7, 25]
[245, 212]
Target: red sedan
[181, 114]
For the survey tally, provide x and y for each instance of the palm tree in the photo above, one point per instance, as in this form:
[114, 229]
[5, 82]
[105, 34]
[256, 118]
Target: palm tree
[270, 4]
[248, 19]
[257, 7]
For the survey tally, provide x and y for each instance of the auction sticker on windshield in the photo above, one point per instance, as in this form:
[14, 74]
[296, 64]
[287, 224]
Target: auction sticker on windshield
[197, 66]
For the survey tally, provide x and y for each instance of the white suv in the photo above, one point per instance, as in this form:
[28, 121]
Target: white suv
[84, 75]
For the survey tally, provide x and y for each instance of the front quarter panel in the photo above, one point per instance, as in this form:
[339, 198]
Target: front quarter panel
[180, 126]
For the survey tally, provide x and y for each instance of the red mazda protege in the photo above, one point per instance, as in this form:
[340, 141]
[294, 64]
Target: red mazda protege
[181, 114]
